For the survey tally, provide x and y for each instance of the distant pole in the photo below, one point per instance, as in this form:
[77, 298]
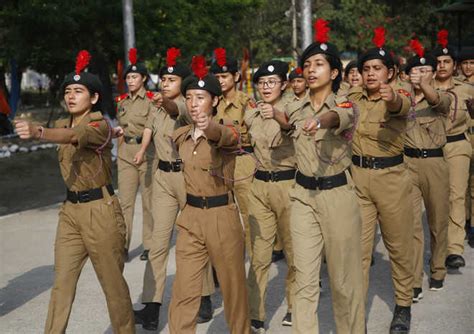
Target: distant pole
[294, 35]
[305, 23]
[128, 26]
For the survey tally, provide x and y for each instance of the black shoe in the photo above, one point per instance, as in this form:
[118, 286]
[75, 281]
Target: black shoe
[148, 316]
[144, 256]
[401, 320]
[436, 284]
[455, 261]
[417, 295]
[205, 310]
[277, 256]
[287, 320]
[125, 255]
[257, 326]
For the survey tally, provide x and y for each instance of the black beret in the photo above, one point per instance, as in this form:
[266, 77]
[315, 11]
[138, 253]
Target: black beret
[376, 53]
[230, 66]
[272, 67]
[296, 73]
[352, 64]
[426, 60]
[179, 70]
[136, 68]
[447, 51]
[315, 48]
[465, 54]
[208, 83]
[91, 81]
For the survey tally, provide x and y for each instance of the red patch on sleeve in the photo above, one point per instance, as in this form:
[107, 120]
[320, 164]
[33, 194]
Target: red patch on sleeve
[252, 104]
[234, 131]
[344, 105]
[150, 94]
[121, 97]
[404, 92]
[94, 124]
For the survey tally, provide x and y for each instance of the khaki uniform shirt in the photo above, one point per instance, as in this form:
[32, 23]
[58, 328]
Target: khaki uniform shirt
[208, 167]
[81, 166]
[273, 148]
[426, 129]
[328, 152]
[458, 120]
[232, 112]
[379, 132]
[162, 126]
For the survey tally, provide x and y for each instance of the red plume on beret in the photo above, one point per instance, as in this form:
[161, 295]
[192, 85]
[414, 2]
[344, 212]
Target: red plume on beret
[321, 34]
[198, 65]
[443, 38]
[298, 70]
[221, 57]
[82, 60]
[379, 37]
[171, 56]
[132, 56]
[416, 46]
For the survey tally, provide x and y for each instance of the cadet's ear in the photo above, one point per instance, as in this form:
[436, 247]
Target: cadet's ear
[237, 77]
[283, 85]
[391, 72]
[215, 101]
[94, 98]
[334, 73]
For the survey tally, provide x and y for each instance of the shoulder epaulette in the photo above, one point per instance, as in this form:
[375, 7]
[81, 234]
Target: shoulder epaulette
[149, 94]
[121, 97]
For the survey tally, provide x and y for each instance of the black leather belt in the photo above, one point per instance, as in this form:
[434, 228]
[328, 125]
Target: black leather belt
[173, 166]
[454, 138]
[377, 162]
[132, 140]
[88, 195]
[321, 183]
[248, 149]
[275, 176]
[207, 202]
[423, 153]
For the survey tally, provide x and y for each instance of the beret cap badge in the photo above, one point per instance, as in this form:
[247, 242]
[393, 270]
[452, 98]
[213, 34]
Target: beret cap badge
[170, 69]
[324, 46]
[201, 83]
[271, 68]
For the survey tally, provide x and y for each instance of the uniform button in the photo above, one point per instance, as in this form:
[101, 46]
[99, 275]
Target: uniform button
[194, 153]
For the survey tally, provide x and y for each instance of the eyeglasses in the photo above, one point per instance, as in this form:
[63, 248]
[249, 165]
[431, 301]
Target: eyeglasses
[270, 83]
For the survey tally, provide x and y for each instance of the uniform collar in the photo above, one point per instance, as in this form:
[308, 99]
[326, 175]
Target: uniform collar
[330, 101]
[140, 94]
[452, 83]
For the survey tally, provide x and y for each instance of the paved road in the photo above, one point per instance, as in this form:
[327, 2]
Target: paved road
[26, 277]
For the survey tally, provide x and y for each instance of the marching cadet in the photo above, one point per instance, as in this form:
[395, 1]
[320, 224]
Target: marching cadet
[269, 209]
[458, 149]
[209, 227]
[169, 191]
[90, 219]
[424, 141]
[324, 208]
[297, 83]
[134, 166]
[466, 62]
[231, 110]
[380, 176]
[352, 74]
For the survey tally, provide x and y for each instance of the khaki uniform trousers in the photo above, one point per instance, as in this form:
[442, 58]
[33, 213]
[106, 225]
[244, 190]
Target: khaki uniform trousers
[430, 181]
[130, 177]
[458, 156]
[384, 198]
[269, 213]
[244, 169]
[328, 219]
[213, 234]
[96, 230]
[168, 196]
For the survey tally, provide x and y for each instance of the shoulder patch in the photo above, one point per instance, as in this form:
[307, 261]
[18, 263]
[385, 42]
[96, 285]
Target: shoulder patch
[149, 94]
[403, 92]
[346, 104]
[121, 97]
[94, 124]
[235, 133]
[252, 104]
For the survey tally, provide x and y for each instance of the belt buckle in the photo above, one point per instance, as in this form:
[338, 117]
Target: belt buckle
[423, 154]
[205, 203]
[176, 165]
[83, 197]
[273, 176]
[374, 164]
[361, 161]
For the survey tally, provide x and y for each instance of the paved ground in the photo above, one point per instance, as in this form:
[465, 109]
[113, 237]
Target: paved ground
[26, 277]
